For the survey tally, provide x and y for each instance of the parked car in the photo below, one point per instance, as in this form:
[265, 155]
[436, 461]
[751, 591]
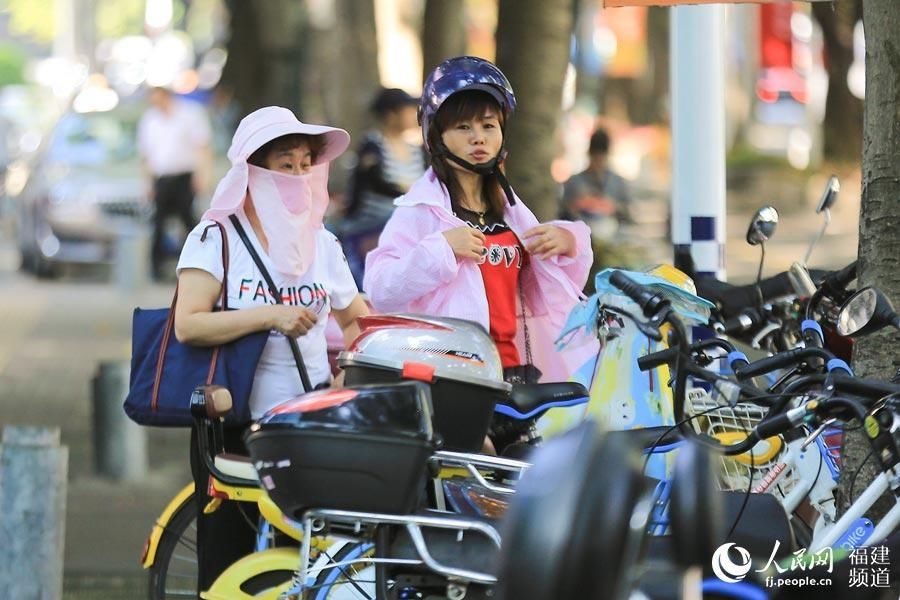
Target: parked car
[84, 185]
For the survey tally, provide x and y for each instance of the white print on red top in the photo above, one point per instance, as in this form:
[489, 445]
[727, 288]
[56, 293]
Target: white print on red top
[508, 254]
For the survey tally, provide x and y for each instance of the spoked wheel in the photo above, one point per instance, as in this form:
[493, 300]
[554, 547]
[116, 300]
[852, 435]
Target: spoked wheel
[174, 571]
[355, 581]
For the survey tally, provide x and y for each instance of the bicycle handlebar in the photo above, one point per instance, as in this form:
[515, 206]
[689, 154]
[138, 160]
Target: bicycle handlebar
[836, 282]
[649, 301]
[746, 320]
[779, 361]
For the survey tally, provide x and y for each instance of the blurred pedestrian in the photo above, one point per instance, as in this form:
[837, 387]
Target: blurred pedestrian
[598, 196]
[174, 141]
[389, 161]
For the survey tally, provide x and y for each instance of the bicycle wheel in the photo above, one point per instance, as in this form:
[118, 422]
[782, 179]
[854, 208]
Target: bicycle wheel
[347, 582]
[174, 571]
[263, 575]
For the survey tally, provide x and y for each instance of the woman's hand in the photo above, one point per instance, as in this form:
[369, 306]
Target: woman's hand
[465, 242]
[545, 241]
[292, 321]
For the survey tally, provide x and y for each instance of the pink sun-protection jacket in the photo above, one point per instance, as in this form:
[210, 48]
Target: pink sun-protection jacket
[414, 270]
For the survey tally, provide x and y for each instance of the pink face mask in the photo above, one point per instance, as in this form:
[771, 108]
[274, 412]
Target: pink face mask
[291, 209]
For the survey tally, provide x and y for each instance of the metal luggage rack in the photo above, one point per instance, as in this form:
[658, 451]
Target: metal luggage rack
[477, 464]
[362, 524]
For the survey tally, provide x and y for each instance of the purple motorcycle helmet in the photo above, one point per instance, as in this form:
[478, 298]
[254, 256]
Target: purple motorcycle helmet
[459, 74]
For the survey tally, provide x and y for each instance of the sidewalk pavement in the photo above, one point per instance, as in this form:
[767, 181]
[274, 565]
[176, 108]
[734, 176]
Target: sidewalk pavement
[56, 333]
[54, 337]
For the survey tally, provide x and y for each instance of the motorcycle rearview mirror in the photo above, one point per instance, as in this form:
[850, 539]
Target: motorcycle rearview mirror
[829, 195]
[866, 311]
[762, 226]
[825, 203]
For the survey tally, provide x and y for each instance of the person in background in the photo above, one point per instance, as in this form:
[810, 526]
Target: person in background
[389, 161]
[174, 142]
[597, 195]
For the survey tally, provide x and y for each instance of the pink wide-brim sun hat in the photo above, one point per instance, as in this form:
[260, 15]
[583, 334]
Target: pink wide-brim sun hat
[266, 124]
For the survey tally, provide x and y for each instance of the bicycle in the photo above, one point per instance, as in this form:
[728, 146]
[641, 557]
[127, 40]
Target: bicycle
[880, 402]
[170, 551]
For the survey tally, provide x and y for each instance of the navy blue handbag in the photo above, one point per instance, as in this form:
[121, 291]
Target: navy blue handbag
[164, 371]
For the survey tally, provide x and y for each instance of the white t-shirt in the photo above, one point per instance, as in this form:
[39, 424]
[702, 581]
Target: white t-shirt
[171, 142]
[326, 284]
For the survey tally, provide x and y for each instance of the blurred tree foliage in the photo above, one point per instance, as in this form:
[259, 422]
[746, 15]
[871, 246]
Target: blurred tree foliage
[115, 18]
[32, 18]
[12, 64]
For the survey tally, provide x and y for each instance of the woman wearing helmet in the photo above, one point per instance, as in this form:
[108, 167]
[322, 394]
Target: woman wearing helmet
[462, 244]
[277, 189]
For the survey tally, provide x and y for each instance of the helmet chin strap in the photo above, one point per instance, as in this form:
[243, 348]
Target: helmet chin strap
[492, 167]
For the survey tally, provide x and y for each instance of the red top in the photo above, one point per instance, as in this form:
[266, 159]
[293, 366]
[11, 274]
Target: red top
[500, 270]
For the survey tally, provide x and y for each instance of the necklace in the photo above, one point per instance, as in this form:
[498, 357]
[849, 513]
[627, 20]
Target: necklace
[479, 214]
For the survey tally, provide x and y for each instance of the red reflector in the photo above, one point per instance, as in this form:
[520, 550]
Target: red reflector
[212, 492]
[418, 372]
[145, 550]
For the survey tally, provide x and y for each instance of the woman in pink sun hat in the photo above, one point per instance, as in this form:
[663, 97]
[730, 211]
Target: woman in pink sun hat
[277, 190]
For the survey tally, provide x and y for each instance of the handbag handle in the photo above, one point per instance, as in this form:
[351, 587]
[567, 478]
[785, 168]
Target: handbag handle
[295, 349]
[170, 322]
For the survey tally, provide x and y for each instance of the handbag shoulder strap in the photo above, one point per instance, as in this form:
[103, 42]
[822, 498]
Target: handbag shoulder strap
[225, 260]
[170, 321]
[273, 290]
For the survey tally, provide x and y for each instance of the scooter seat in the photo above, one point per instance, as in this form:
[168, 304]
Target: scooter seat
[530, 400]
[236, 465]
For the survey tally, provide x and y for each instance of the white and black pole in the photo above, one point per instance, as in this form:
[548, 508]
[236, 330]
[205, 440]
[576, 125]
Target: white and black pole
[698, 139]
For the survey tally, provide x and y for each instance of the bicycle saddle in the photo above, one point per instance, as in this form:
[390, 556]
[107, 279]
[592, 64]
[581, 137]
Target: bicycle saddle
[530, 400]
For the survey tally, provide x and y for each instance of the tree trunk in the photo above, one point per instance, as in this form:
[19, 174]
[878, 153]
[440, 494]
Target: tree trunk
[879, 223]
[532, 50]
[262, 69]
[243, 72]
[443, 32]
[357, 68]
[658, 50]
[843, 110]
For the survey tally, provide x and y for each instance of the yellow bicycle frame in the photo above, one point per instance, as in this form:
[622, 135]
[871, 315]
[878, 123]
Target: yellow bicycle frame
[231, 492]
[185, 495]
